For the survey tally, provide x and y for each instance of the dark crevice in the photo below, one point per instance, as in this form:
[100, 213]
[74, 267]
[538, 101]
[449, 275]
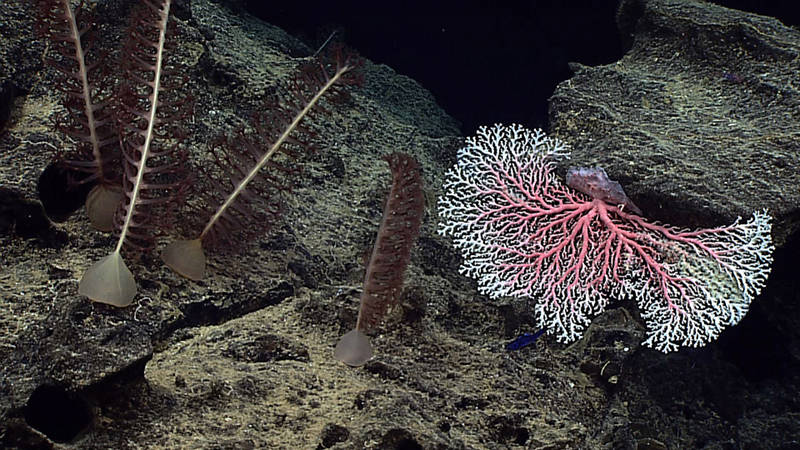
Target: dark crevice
[25, 218]
[58, 414]
[221, 309]
[59, 193]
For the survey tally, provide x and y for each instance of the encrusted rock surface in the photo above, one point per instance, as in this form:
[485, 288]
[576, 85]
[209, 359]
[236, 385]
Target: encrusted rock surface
[698, 120]
[243, 359]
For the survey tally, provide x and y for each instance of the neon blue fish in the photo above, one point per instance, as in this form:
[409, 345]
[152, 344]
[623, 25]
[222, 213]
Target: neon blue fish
[524, 340]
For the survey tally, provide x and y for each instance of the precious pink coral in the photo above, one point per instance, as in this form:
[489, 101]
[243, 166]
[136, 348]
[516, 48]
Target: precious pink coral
[525, 234]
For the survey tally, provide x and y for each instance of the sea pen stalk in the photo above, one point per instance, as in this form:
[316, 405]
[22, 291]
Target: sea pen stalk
[383, 280]
[88, 117]
[109, 280]
[187, 256]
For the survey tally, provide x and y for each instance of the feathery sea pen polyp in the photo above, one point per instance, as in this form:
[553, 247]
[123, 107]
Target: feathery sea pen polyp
[149, 153]
[383, 279]
[524, 234]
[87, 117]
[255, 167]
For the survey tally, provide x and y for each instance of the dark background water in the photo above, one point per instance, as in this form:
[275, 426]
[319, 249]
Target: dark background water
[484, 61]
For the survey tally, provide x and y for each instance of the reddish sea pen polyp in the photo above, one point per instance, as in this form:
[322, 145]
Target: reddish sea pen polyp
[256, 166]
[149, 148]
[383, 281]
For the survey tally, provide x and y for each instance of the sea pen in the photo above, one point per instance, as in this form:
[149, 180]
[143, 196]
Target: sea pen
[383, 280]
[88, 116]
[149, 153]
[255, 167]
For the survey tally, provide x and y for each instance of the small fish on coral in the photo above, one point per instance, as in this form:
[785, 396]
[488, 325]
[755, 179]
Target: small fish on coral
[594, 182]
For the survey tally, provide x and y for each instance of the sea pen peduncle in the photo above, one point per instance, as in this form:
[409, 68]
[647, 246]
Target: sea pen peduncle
[88, 118]
[187, 257]
[109, 280]
[391, 253]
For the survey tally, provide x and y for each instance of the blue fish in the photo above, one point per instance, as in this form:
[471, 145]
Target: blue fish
[525, 340]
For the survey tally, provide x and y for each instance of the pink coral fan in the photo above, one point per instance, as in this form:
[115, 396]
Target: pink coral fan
[525, 234]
